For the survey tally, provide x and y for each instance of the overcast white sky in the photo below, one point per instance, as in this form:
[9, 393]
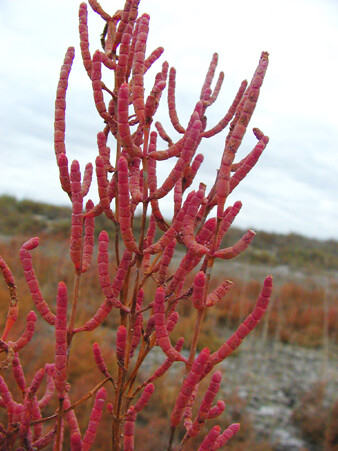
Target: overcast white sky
[294, 186]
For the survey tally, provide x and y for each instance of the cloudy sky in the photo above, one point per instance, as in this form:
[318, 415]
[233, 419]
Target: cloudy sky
[295, 185]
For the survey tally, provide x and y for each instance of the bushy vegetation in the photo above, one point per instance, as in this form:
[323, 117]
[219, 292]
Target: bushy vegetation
[27, 217]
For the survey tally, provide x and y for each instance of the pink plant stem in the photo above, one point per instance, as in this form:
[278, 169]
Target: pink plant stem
[233, 141]
[210, 75]
[172, 103]
[134, 181]
[75, 433]
[89, 227]
[50, 387]
[110, 65]
[165, 262]
[98, 357]
[107, 38]
[133, 12]
[59, 121]
[155, 55]
[121, 69]
[144, 398]
[128, 15]
[87, 179]
[131, 55]
[104, 151]
[217, 89]
[162, 76]
[172, 321]
[245, 328]
[189, 383]
[121, 341]
[112, 190]
[62, 162]
[61, 340]
[152, 185]
[122, 25]
[188, 234]
[7, 274]
[229, 115]
[28, 406]
[223, 438]
[162, 337]
[218, 293]
[195, 165]
[228, 218]
[94, 421]
[139, 68]
[36, 416]
[210, 439]
[153, 99]
[111, 292]
[95, 5]
[248, 163]
[33, 284]
[97, 88]
[121, 274]
[19, 374]
[94, 212]
[198, 325]
[237, 248]
[190, 259]
[138, 323]
[206, 234]
[163, 134]
[61, 351]
[13, 309]
[189, 148]
[173, 230]
[129, 427]
[7, 399]
[27, 335]
[161, 370]
[217, 410]
[129, 430]
[178, 197]
[123, 119]
[45, 440]
[124, 206]
[102, 183]
[57, 446]
[84, 39]
[148, 242]
[174, 150]
[77, 217]
[198, 295]
[205, 406]
[27, 411]
[30, 277]
[150, 327]
[187, 421]
[103, 264]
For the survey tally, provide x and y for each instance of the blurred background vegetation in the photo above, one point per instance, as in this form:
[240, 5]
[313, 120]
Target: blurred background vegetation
[27, 217]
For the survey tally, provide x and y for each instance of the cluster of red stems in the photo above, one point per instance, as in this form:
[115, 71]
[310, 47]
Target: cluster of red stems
[128, 182]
